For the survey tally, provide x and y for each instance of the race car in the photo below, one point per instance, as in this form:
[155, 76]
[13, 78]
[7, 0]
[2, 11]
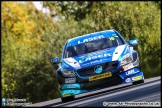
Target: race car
[95, 61]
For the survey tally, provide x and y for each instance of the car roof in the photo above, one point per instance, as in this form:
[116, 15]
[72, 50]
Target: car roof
[105, 33]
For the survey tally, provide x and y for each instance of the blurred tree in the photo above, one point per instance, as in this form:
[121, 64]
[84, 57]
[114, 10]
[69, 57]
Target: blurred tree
[26, 69]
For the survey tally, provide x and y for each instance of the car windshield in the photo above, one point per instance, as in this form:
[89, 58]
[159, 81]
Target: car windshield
[92, 46]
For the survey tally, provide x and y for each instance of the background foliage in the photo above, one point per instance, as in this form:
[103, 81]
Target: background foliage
[31, 38]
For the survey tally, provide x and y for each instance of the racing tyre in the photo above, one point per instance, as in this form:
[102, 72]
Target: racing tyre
[67, 99]
[138, 82]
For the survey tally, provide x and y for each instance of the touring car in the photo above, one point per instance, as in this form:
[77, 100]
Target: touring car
[95, 61]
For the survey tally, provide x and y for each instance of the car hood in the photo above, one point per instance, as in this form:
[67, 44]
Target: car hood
[90, 59]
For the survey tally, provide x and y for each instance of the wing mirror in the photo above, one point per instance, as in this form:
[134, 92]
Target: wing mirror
[55, 60]
[133, 42]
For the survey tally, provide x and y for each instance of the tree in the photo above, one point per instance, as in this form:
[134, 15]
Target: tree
[26, 69]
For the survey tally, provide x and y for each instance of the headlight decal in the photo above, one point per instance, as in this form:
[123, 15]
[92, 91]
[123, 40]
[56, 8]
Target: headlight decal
[68, 73]
[72, 62]
[118, 51]
[126, 59]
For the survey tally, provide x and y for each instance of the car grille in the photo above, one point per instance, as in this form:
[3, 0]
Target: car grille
[89, 71]
[102, 83]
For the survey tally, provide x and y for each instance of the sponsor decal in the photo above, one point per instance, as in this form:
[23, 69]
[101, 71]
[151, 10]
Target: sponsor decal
[113, 34]
[106, 59]
[70, 80]
[100, 76]
[91, 57]
[67, 94]
[95, 61]
[91, 39]
[69, 45]
[85, 64]
[70, 86]
[98, 69]
[128, 80]
[130, 72]
[137, 78]
[74, 85]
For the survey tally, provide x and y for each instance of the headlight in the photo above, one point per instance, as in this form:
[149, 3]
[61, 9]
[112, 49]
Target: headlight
[126, 59]
[68, 73]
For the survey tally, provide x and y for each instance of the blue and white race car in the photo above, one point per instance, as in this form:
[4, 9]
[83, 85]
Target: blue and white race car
[96, 60]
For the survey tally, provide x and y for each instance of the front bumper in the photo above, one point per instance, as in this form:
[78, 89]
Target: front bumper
[120, 77]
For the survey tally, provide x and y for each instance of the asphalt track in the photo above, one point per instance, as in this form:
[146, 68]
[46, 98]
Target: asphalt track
[147, 94]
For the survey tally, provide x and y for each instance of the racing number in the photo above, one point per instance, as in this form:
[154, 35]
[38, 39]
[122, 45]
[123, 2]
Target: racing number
[112, 38]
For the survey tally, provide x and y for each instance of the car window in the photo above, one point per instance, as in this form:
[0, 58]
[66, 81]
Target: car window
[92, 46]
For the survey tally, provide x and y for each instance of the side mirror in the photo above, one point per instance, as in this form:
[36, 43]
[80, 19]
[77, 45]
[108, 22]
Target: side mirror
[55, 60]
[133, 42]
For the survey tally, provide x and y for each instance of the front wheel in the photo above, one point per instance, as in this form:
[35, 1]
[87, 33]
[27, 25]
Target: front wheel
[138, 82]
[67, 99]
